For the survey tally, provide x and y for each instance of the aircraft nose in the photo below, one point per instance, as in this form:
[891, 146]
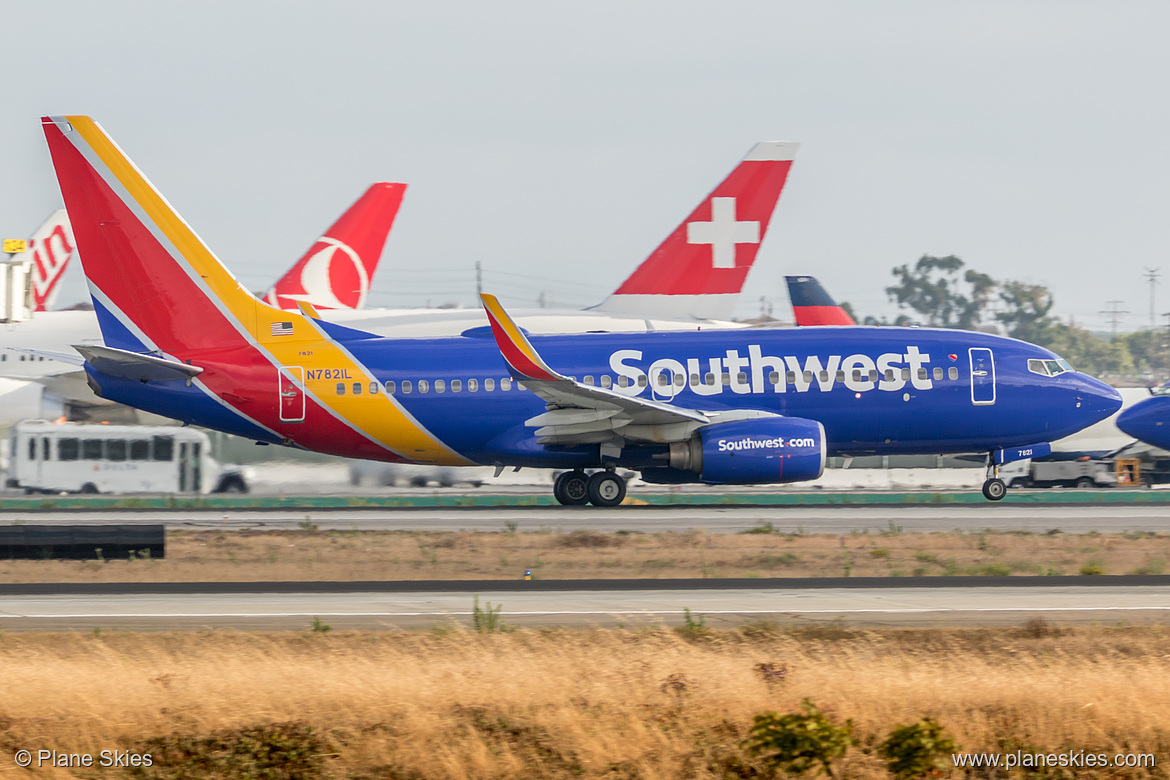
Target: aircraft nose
[1097, 399]
[1148, 420]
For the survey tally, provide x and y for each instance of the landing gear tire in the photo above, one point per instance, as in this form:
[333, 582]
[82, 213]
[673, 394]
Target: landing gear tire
[572, 488]
[606, 489]
[994, 489]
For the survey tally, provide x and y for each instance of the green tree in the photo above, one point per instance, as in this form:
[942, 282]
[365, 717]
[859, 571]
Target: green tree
[1025, 314]
[1150, 350]
[940, 291]
[799, 741]
[917, 750]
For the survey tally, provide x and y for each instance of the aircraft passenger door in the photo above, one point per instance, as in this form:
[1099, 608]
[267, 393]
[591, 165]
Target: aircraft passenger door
[982, 376]
[291, 381]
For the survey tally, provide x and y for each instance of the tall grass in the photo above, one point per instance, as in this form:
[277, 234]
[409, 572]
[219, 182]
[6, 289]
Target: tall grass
[654, 704]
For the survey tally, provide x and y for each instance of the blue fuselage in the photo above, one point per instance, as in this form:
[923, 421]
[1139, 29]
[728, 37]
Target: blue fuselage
[875, 390]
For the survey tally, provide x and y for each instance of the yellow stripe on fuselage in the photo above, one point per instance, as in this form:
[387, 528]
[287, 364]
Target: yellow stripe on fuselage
[381, 418]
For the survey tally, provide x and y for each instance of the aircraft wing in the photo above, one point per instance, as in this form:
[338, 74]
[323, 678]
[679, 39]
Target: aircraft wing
[585, 414]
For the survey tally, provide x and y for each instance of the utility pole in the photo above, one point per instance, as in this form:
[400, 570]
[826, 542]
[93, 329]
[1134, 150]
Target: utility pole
[1152, 278]
[1115, 313]
[478, 279]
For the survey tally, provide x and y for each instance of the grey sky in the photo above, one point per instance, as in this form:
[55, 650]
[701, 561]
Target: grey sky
[566, 141]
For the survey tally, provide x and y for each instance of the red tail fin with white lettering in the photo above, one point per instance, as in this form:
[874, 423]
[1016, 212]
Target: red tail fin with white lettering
[700, 269]
[49, 251]
[336, 272]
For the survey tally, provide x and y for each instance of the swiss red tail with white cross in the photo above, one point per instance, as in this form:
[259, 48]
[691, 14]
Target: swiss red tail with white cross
[48, 254]
[700, 269]
[336, 272]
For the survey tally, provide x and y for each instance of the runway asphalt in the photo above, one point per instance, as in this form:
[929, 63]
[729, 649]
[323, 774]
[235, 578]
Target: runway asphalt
[934, 605]
[1035, 518]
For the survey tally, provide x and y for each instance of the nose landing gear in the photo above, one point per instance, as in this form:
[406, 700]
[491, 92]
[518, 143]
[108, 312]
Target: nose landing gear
[994, 488]
[604, 488]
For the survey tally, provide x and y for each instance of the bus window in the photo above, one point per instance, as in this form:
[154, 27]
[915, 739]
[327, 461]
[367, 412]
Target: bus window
[164, 448]
[116, 449]
[91, 449]
[182, 467]
[139, 449]
[45, 448]
[32, 449]
[67, 449]
[196, 472]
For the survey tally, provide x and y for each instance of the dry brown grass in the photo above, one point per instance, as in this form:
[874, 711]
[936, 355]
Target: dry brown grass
[403, 555]
[592, 704]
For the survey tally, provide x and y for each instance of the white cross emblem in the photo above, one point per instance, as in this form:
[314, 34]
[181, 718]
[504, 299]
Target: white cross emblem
[723, 232]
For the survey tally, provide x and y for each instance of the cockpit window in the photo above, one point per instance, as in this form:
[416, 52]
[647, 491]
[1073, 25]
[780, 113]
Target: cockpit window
[1048, 367]
[1163, 390]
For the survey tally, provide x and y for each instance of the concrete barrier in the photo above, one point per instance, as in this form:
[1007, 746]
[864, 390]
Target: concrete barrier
[82, 542]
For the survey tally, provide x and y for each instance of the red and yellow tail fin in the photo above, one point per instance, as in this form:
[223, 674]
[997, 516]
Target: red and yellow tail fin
[155, 284]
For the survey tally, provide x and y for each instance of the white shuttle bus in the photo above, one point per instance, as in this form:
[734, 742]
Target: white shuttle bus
[79, 458]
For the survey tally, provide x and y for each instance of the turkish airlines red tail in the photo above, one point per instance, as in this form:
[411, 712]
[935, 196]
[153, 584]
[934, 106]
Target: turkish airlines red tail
[336, 272]
[700, 269]
[49, 251]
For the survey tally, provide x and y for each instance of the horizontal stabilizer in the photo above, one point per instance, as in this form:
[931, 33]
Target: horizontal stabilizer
[133, 365]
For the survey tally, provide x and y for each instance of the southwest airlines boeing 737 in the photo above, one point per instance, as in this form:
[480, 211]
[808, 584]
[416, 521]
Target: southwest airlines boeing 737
[185, 339]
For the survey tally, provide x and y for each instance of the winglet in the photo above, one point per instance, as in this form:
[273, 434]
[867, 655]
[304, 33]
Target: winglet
[514, 345]
[308, 310]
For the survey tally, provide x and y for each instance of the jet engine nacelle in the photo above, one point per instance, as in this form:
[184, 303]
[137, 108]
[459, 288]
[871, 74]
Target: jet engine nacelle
[745, 452]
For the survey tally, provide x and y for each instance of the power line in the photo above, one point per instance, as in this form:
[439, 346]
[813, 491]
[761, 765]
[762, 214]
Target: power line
[1115, 314]
[1152, 277]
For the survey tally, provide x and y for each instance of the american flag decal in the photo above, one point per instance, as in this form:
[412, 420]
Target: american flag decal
[282, 329]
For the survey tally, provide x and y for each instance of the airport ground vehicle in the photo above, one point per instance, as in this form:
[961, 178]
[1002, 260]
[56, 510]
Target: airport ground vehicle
[1081, 473]
[77, 458]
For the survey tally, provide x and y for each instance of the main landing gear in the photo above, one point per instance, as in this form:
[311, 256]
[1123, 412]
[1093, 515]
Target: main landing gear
[603, 488]
[994, 488]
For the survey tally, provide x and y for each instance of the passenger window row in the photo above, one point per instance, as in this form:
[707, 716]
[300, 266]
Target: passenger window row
[664, 379]
[407, 386]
